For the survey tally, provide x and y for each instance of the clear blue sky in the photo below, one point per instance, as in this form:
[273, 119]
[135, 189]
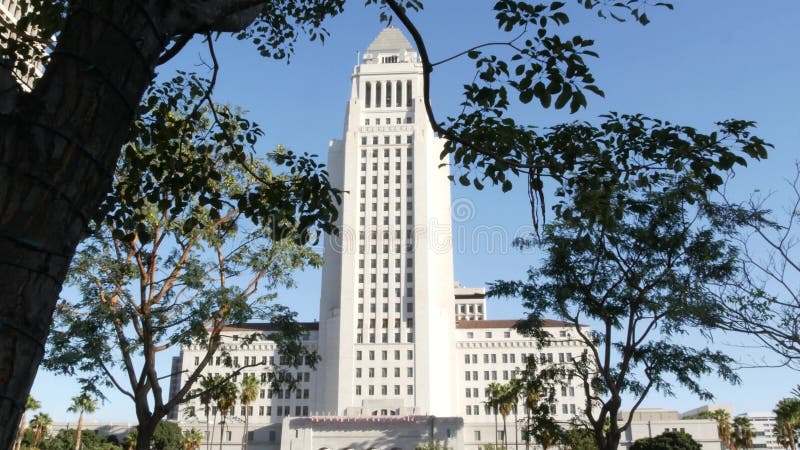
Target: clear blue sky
[703, 62]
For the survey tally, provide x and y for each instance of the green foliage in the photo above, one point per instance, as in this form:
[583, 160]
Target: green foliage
[167, 436]
[670, 440]
[436, 445]
[787, 422]
[578, 438]
[83, 403]
[635, 246]
[196, 234]
[90, 440]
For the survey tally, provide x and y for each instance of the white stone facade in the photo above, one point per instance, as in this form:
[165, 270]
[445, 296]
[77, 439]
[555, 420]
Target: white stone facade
[406, 355]
[763, 424]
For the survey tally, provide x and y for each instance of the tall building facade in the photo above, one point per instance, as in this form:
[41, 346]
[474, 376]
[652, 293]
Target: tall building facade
[388, 277]
[407, 354]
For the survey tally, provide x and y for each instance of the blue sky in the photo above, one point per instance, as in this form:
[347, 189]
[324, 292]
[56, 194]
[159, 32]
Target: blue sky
[703, 62]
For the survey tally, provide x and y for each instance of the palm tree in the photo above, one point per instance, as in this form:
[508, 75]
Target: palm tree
[41, 423]
[492, 395]
[249, 393]
[129, 441]
[83, 403]
[191, 439]
[208, 385]
[226, 399]
[787, 418]
[30, 405]
[723, 419]
[531, 395]
[742, 434]
[504, 398]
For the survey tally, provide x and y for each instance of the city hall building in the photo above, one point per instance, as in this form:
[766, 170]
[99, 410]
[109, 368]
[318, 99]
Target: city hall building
[407, 354]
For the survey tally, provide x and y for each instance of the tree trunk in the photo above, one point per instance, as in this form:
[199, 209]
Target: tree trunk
[213, 429]
[221, 431]
[516, 430]
[145, 434]
[246, 425]
[505, 433]
[20, 431]
[495, 430]
[78, 431]
[58, 148]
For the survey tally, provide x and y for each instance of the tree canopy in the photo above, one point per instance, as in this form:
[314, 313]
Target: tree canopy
[63, 132]
[669, 440]
[196, 234]
[635, 247]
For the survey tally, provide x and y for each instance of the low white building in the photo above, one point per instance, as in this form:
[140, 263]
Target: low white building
[763, 424]
[650, 422]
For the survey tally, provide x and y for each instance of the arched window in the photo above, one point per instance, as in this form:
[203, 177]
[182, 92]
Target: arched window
[367, 94]
[409, 96]
[388, 94]
[377, 94]
[399, 94]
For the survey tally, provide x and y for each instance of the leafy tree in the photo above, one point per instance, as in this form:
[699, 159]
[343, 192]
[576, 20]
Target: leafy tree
[90, 440]
[669, 440]
[169, 266]
[635, 247]
[742, 433]
[578, 438]
[167, 436]
[437, 445]
[129, 441]
[81, 404]
[501, 398]
[536, 390]
[191, 439]
[41, 423]
[225, 398]
[787, 422]
[723, 419]
[63, 136]
[247, 395]
[30, 405]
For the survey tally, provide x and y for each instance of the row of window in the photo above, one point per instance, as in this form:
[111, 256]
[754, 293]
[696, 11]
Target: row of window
[384, 371]
[409, 180]
[280, 394]
[383, 94]
[384, 355]
[374, 220]
[488, 334]
[233, 361]
[385, 291]
[387, 140]
[373, 277]
[385, 323]
[475, 410]
[490, 358]
[385, 308]
[371, 338]
[384, 389]
[388, 120]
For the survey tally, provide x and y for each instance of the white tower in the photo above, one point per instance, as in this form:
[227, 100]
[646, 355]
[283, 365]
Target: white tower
[387, 307]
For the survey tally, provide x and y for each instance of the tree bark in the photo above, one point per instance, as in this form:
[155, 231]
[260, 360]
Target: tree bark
[59, 145]
[78, 431]
[58, 149]
[146, 430]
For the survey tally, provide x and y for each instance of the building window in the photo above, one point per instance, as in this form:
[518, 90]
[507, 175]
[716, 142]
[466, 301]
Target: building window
[358, 389]
[367, 94]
